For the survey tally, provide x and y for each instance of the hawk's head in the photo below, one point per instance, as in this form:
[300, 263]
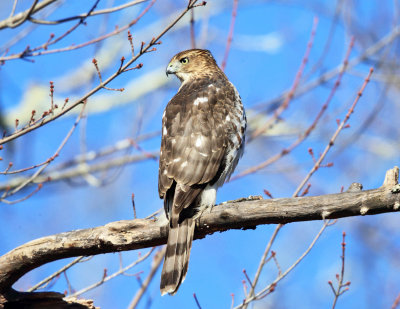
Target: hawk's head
[190, 63]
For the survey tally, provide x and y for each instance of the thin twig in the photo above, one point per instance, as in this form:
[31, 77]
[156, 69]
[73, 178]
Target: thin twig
[230, 34]
[342, 287]
[262, 263]
[133, 206]
[85, 15]
[247, 277]
[273, 255]
[117, 273]
[57, 273]
[197, 301]
[13, 8]
[70, 288]
[329, 38]
[158, 258]
[396, 302]
[192, 34]
[37, 189]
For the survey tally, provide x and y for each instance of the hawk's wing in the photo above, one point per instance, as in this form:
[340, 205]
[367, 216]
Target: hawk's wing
[194, 139]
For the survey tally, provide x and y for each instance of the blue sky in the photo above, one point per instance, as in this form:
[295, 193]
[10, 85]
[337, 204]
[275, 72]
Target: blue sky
[269, 42]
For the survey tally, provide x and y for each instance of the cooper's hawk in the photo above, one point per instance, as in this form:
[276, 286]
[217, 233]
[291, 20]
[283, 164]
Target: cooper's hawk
[203, 132]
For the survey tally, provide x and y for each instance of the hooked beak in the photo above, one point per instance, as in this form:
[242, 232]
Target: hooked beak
[168, 71]
[171, 69]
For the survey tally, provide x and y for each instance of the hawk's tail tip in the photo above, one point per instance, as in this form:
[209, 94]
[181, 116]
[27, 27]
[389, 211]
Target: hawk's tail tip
[176, 258]
[168, 290]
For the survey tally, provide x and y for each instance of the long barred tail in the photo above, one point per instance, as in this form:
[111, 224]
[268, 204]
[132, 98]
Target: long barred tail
[177, 256]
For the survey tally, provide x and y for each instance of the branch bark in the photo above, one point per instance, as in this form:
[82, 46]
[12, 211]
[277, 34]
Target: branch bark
[240, 214]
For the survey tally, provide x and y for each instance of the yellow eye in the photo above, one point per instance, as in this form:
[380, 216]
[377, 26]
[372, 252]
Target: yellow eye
[184, 60]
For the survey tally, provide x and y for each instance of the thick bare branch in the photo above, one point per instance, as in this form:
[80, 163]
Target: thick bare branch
[46, 300]
[240, 214]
